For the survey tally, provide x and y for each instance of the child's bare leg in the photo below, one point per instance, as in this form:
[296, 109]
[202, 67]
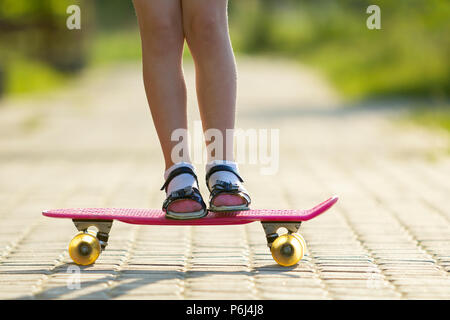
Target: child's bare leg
[161, 28]
[206, 31]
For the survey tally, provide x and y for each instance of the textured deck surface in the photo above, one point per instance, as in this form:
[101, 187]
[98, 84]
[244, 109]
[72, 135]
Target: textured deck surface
[93, 145]
[157, 217]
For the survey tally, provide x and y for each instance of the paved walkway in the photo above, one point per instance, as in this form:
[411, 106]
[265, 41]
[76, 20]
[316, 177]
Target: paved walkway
[94, 145]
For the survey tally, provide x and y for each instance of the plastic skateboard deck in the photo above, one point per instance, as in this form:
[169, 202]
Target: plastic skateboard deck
[157, 217]
[287, 249]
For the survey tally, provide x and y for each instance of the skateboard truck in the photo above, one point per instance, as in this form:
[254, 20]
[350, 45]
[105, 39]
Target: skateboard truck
[103, 227]
[87, 245]
[271, 229]
[286, 249]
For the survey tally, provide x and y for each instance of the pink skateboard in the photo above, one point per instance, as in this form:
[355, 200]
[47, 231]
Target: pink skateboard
[94, 225]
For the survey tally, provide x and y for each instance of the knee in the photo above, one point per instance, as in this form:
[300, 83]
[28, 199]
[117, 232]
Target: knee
[161, 34]
[206, 30]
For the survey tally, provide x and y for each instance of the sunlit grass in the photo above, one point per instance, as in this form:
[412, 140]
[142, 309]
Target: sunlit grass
[435, 116]
[28, 76]
[115, 46]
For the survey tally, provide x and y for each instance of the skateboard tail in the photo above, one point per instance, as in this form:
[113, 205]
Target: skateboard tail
[320, 208]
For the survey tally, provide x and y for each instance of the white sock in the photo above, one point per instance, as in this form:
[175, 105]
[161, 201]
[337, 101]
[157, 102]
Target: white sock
[223, 175]
[181, 181]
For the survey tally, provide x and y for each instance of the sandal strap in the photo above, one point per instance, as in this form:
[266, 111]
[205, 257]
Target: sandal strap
[190, 193]
[177, 172]
[224, 186]
[221, 167]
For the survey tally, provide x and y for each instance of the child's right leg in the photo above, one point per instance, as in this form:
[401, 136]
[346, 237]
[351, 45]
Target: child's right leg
[161, 28]
[162, 35]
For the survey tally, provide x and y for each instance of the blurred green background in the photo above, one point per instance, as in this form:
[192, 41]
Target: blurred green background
[408, 57]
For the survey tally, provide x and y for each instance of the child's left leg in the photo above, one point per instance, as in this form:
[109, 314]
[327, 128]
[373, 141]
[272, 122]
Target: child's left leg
[205, 25]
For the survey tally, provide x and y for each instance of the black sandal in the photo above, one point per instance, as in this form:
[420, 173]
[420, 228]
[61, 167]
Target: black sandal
[190, 193]
[223, 187]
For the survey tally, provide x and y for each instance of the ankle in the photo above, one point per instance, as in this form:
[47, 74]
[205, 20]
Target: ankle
[181, 181]
[177, 165]
[223, 175]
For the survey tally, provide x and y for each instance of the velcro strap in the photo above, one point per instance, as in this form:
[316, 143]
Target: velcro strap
[177, 172]
[221, 167]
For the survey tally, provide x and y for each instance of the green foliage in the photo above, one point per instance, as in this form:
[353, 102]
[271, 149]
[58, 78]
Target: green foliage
[112, 15]
[408, 56]
[21, 9]
[37, 51]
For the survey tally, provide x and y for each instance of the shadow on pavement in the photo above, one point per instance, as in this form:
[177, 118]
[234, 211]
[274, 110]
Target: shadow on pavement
[139, 278]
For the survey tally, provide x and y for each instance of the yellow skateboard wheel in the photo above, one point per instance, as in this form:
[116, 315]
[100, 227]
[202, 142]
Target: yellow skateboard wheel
[288, 249]
[84, 249]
